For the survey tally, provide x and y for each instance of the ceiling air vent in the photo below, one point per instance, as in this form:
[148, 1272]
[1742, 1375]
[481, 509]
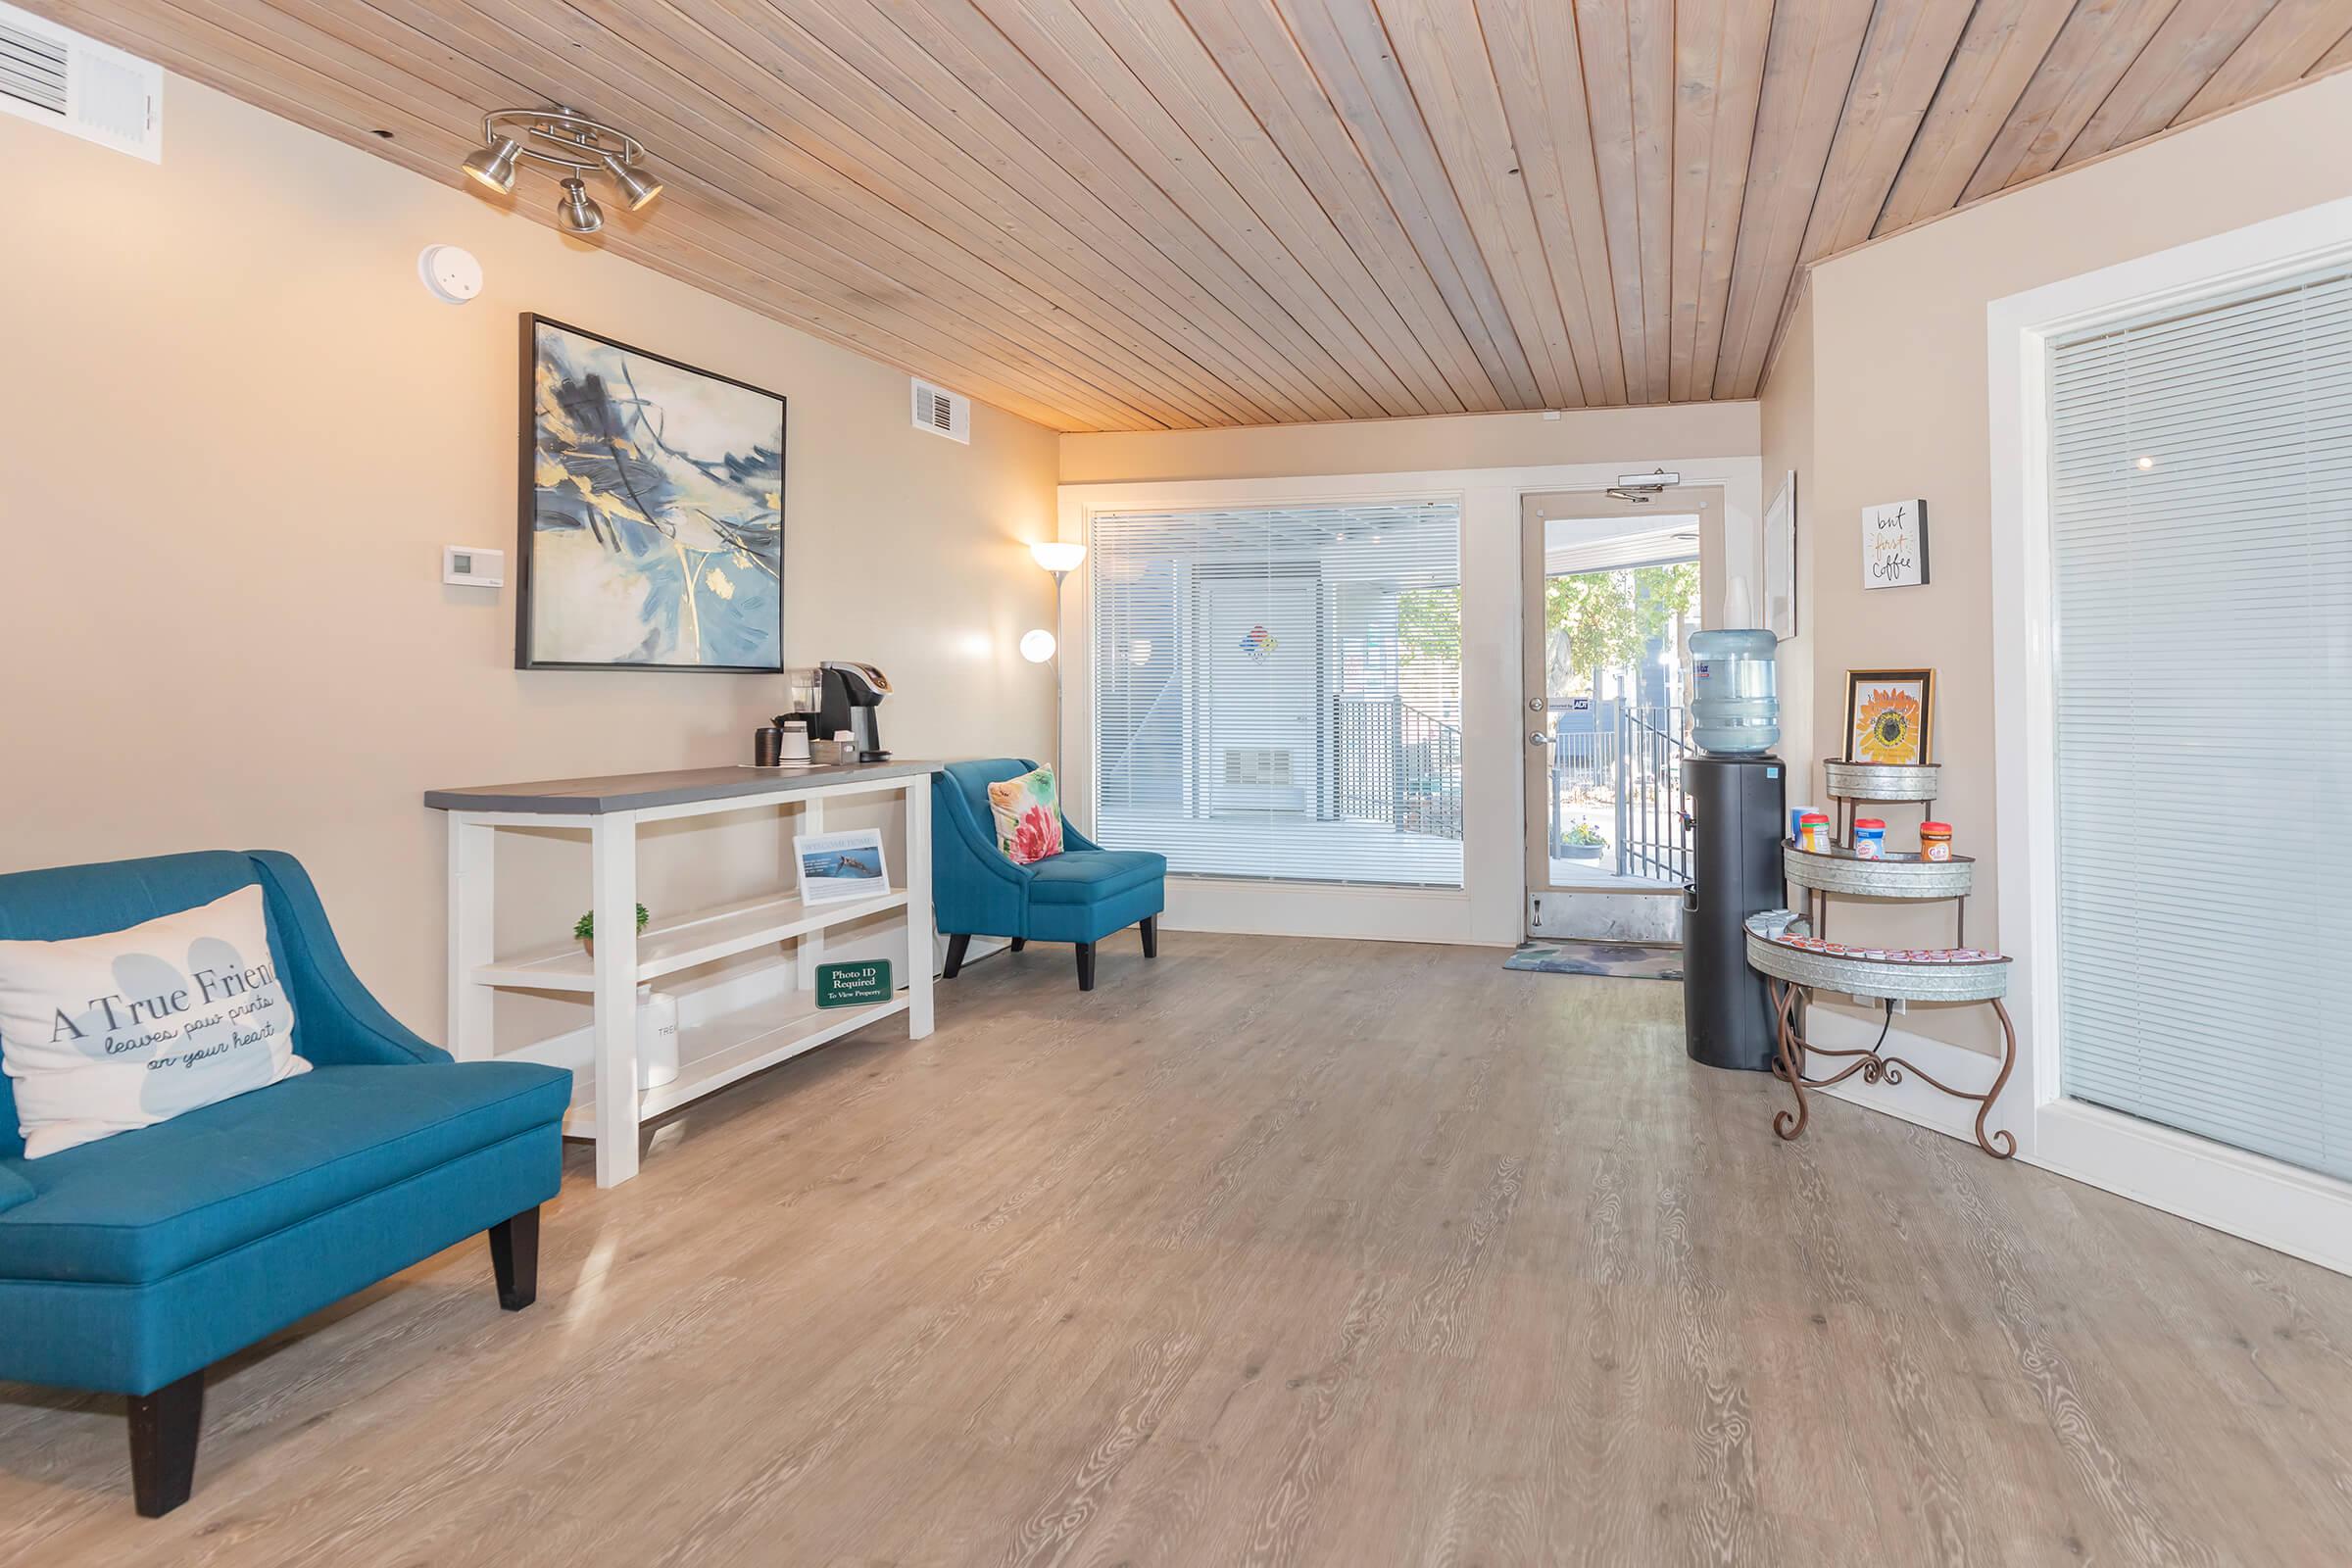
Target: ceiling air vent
[943, 413]
[79, 86]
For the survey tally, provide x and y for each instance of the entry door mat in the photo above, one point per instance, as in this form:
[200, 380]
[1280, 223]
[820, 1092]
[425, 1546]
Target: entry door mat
[1626, 960]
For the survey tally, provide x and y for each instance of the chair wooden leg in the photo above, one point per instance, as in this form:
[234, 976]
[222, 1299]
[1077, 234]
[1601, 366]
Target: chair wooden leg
[515, 1259]
[163, 1428]
[1018, 943]
[1150, 936]
[1085, 967]
[959, 942]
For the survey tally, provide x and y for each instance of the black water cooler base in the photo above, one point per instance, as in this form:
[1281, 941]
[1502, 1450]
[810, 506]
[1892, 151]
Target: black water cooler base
[1738, 818]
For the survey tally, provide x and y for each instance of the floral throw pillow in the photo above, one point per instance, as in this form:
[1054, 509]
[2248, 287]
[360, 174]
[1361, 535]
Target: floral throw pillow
[1028, 816]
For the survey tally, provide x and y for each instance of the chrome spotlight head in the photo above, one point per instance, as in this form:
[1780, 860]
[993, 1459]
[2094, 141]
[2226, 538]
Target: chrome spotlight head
[493, 165]
[635, 188]
[577, 213]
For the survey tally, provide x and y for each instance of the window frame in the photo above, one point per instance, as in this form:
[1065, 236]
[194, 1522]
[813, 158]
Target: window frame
[1195, 701]
[2280, 1205]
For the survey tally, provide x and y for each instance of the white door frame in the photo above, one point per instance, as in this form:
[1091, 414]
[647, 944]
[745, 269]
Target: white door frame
[1602, 909]
[2266, 1200]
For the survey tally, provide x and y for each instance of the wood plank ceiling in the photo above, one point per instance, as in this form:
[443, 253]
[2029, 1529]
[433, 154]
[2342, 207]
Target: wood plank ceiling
[1138, 213]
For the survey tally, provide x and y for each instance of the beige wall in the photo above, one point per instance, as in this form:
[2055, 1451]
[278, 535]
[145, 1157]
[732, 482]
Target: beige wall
[1784, 417]
[1899, 410]
[235, 434]
[1639, 438]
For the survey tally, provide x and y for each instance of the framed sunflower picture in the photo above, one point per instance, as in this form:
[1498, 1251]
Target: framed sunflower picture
[1890, 715]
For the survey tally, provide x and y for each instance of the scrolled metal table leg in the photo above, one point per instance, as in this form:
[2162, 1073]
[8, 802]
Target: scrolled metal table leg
[1790, 1065]
[1985, 1109]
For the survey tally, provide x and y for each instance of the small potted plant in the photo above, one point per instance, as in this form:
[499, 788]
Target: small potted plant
[585, 930]
[1580, 841]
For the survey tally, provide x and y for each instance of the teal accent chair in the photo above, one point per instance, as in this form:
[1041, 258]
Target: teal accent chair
[1080, 896]
[130, 1264]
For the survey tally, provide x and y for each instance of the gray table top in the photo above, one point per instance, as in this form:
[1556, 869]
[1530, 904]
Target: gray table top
[637, 792]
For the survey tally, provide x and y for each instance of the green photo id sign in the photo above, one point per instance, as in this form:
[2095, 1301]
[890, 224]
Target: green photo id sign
[853, 985]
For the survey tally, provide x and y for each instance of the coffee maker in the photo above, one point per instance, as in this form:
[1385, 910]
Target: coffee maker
[848, 695]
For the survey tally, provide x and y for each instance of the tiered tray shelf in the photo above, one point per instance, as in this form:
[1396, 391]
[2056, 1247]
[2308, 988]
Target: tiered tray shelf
[1794, 966]
[1839, 870]
[1794, 955]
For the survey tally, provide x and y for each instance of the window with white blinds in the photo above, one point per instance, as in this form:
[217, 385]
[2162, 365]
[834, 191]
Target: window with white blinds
[2201, 513]
[1278, 690]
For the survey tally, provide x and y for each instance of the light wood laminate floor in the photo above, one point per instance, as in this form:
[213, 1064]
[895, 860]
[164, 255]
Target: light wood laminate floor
[1273, 1252]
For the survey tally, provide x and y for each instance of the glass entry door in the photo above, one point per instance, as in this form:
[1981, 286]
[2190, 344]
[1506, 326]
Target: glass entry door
[1611, 595]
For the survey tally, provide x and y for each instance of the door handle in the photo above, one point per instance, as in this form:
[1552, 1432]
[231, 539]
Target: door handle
[1535, 737]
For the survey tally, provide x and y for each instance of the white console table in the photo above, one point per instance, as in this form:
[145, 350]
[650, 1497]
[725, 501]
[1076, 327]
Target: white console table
[607, 1105]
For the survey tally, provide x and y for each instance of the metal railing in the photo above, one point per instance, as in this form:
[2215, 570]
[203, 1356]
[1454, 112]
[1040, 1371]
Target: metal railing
[1633, 768]
[1396, 765]
[1652, 800]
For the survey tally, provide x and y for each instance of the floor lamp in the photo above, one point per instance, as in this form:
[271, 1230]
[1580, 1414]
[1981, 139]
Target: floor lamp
[1061, 557]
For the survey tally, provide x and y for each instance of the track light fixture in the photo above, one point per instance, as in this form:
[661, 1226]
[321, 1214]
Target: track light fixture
[635, 189]
[576, 211]
[569, 140]
[494, 164]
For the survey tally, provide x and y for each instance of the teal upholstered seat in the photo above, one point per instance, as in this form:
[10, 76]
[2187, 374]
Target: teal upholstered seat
[1080, 896]
[129, 1264]
[130, 1211]
[1089, 876]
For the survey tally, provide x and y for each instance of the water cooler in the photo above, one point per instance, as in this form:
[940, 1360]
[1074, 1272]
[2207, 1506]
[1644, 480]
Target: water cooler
[1738, 815]
[1738, 819]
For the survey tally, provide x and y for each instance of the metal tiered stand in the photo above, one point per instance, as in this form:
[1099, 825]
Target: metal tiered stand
[1794, 955]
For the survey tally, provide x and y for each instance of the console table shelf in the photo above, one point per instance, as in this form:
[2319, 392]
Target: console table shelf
[730, 1046]
[713, 1050]
[666, 947]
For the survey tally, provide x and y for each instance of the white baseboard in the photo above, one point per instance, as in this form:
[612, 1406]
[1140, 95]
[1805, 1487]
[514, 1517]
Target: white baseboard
[2298, 1212]
[1311, 909]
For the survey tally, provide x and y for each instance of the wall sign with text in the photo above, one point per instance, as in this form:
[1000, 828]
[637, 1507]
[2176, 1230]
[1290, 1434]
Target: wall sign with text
[1894, 545]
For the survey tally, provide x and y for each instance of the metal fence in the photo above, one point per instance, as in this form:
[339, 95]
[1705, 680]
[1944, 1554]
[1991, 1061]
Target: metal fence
[1653, 803]
[1396, 765]
[1633, 768]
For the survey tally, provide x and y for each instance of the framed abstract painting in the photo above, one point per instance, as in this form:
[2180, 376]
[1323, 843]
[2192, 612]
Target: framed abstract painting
[652, 498]
[1890, 715]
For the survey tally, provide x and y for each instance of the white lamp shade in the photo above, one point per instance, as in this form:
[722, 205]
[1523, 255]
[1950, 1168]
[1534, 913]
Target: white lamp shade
[1037, 645]
[1058, 554]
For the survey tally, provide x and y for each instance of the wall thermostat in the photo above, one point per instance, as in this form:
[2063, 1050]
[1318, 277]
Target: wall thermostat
[451, 273]
[470, 566]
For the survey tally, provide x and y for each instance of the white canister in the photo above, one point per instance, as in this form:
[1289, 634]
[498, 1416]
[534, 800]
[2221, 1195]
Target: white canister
[656, 1037]
[796, 740]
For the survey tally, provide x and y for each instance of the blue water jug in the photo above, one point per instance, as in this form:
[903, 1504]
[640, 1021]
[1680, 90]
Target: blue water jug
[1735, 692]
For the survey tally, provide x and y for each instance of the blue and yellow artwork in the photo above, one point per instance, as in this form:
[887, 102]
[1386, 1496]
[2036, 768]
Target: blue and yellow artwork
[652, 535]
